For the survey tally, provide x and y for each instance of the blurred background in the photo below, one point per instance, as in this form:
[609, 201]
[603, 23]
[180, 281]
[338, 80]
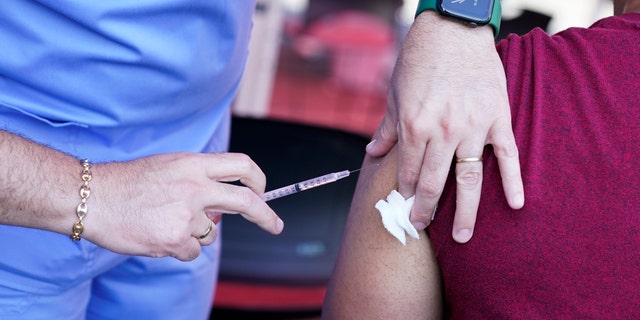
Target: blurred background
[313, 93]
[327, 62]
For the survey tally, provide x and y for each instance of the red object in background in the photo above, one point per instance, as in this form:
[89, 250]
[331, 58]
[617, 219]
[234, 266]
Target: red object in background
[335, 72]
[351, 28]
[361, 46]
[266, 297]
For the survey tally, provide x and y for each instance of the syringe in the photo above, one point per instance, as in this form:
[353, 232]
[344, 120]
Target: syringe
[306, 184]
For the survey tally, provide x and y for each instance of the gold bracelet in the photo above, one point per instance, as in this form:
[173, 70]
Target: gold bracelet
[85, 192]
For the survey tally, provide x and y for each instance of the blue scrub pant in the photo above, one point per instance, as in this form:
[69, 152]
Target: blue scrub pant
[44, 275]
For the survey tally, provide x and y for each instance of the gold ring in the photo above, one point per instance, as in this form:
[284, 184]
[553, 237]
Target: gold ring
[206, 233]
[473, 159]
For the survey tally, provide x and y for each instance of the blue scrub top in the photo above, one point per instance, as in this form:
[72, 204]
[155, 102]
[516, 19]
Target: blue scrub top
[119, 79]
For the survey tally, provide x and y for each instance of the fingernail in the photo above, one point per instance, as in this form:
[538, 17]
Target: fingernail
[370, 145]
[517, 201]
[463, 235]
[279, 226]
[419, 225]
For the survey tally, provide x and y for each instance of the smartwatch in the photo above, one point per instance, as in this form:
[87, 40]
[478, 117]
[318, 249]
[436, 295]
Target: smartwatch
[472, 12]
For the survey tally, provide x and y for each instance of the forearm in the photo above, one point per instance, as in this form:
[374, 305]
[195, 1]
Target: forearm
[376, 277]
[38, 185]
[453, 45]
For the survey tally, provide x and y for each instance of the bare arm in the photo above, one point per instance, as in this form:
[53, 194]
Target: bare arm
[37, 185]
[154, 206]
[375, 276]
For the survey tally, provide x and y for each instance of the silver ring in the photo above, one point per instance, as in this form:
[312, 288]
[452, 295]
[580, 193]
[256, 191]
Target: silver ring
[472, 159]
[206, 233]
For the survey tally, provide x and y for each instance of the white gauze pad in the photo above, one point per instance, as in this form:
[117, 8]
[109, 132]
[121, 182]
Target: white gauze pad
[395, 216]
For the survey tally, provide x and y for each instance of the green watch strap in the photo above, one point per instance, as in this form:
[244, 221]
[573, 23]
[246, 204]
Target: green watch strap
[496, 14]
[496, 17]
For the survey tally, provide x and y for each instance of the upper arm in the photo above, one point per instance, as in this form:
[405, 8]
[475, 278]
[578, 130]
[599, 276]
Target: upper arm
[376, 276]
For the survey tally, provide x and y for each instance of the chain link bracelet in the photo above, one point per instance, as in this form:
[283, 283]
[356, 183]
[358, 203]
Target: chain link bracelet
[81, 210]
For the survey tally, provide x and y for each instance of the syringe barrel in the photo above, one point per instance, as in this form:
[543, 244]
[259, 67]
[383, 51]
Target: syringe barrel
[305, 185]
[280, 192]
[317, 181]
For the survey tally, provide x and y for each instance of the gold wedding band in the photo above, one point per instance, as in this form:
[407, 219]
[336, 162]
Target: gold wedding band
[206, 233]
[473, 159]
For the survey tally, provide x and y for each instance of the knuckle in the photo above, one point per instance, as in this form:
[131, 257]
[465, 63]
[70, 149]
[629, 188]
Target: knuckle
[438, 160]
[240, 161]
[183, 161]
[506, 150]
[414, 127]
[421, 216]
[189, 253]
[246, 166]
[453, 124]
[408, 177]
[429, 188]
[468, 179]
[246, 200]
[244, 159]
[448, 127]
[243, 162]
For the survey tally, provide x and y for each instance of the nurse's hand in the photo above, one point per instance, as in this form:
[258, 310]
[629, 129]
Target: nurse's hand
[448, 98]
[166, 205]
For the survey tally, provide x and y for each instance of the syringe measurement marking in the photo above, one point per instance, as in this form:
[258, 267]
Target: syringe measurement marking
[306, 185]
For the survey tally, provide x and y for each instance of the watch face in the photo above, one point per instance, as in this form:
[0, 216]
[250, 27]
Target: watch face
[473, 11]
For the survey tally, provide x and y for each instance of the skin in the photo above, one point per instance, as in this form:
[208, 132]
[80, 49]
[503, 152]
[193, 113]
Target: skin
[155, 206]
[375, 276]
[448, 98]
[622, 6]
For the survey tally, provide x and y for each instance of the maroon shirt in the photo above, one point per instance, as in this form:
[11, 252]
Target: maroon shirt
[573, 251]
